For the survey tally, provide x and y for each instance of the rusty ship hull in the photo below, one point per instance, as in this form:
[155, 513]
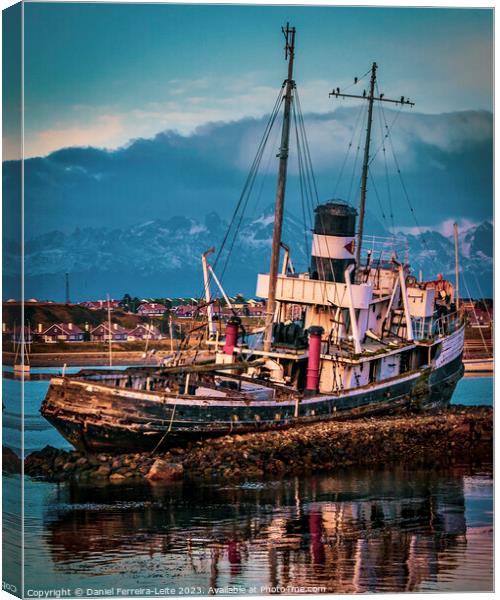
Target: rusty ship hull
[99, 416]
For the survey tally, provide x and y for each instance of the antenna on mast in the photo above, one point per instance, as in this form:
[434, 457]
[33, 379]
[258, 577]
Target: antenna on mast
[370, 97]
[289, 33]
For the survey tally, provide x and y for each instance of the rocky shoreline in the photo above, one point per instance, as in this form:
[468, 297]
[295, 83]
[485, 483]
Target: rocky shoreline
[456, 436]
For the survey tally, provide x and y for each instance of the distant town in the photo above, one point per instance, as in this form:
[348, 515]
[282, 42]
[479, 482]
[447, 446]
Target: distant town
[128, 319]
[134, 319]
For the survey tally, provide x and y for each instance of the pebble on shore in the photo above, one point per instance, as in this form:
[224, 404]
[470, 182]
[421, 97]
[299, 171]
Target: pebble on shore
[460, 434]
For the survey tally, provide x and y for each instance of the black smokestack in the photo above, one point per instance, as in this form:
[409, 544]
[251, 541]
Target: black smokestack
[333, 241]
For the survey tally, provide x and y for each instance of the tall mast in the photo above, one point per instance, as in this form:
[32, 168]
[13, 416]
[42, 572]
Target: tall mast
[455, 235]
[366, 159]
[289, 33]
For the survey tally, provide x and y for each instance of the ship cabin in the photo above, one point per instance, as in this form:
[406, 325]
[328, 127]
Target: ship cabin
[358, 324]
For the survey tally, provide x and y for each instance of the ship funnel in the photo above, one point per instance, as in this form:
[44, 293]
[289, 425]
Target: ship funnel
[333, 246]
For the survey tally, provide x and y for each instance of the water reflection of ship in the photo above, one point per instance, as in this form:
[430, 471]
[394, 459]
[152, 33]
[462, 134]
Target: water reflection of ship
[346, 534]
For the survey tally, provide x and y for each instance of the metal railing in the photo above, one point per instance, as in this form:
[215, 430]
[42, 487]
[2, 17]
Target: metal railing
[430, 327]
[380, 250]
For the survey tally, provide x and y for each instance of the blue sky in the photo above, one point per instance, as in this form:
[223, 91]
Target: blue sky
[100, 75]
[137, 113]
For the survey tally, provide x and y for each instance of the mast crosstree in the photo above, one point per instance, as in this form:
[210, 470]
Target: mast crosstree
[370, 97]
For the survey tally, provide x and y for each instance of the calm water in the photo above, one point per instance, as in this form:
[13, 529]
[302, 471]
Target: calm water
[351, 531]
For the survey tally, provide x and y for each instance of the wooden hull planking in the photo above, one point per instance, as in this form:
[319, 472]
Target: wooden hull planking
[95, 417]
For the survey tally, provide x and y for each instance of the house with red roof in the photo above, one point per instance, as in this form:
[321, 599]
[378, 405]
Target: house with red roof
[186, 311]
[61, 332]
[151, 309]
[102, 333]
[144, 331]
[100, 304]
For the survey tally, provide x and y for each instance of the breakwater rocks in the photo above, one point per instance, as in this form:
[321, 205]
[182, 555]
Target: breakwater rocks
[458, 435]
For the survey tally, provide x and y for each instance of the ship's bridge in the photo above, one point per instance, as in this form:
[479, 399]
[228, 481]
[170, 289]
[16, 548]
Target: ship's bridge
[301, 289]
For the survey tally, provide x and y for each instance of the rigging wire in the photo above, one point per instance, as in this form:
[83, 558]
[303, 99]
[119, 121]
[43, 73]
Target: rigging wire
[346, 156]
[243, 199]
[356, 81]
[386, 170]
[387, 127]
[266, 170]
[377, 196]
[249, 182]
[302, 147]
[355, 164]
[312, 183]
[301, 177]
[242, 214]
[307, 150]
[407, 197]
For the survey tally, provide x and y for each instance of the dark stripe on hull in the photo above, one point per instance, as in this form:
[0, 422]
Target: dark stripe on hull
[120, 423]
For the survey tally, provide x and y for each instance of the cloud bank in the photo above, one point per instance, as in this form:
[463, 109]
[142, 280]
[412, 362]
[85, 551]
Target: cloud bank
[446, 161]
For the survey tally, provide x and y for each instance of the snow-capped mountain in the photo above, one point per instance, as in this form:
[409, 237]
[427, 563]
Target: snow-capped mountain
[163, 257]
[434, 253]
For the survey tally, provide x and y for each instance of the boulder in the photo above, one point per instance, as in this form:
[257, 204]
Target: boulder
[102, 471]
[161, 470]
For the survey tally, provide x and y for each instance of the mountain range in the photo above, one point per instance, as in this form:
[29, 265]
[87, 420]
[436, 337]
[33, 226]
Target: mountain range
[160, 258]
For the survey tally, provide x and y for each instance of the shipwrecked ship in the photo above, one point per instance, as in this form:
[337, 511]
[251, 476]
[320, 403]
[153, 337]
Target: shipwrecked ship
[355, 335]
